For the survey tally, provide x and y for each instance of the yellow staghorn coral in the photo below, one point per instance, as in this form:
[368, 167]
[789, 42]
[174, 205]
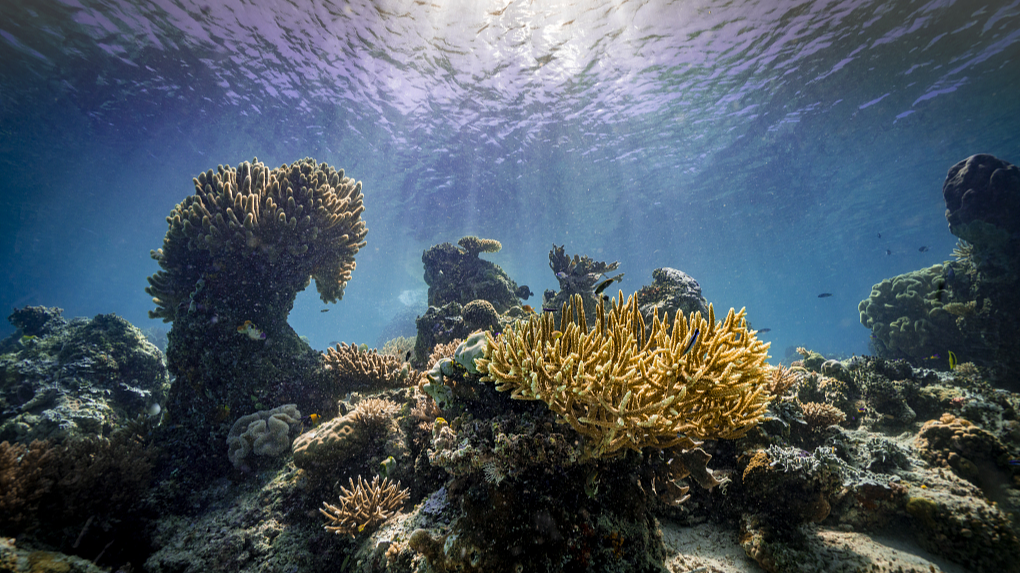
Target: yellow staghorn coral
[286, 224]
[621, 389]
[364, 505]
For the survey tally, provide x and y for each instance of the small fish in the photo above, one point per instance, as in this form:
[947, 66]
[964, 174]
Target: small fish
[561, 275]
[1014, 462]
[547, 309]
[950, 274]
[888, 252]
[952, 360]
[252, 332]
[324, 310]
[923, 249]
[528, 309]
[880, 235]
[556, 335]
[825, 295]
[442, 421]
[765, 330]
[28, 338]
[407, 356]
[862, 410]
[690, 344]
[934, 357]
[602, 285]
[311, 420]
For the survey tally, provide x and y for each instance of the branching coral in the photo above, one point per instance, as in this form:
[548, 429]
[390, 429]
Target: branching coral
[368, 368]
[698, 379]
[818, 415]
[364, 505]
[474, 245]
[374, 413]
[289, 223]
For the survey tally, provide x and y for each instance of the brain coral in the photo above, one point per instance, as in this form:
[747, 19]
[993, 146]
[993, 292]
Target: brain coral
[284, 225]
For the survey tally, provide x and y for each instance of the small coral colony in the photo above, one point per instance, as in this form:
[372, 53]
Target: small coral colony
[507, 436]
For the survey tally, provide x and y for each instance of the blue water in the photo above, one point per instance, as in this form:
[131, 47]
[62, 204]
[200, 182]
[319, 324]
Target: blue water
[761, 147]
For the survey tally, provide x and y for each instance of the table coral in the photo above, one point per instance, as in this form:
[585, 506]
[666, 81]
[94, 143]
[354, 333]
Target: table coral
[699, 379]
[291, 223]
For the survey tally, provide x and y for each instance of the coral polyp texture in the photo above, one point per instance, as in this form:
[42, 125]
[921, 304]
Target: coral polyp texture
[289, 224]
[364, 505]
[694, 379]
[367, 368]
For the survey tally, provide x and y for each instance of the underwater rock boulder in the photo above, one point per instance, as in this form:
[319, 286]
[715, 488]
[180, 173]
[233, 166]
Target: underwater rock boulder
[457, 274]
[77, 378]
[671, 290]
[982, 195]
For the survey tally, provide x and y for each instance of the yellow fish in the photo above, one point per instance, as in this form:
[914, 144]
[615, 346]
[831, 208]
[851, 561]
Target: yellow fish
[252, 332]
[952, 360]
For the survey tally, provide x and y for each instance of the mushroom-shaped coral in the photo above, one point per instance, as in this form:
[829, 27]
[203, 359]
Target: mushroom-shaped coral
[694, 379]
[284, 226]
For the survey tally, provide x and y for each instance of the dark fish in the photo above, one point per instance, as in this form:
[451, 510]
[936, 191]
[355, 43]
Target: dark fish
[324, 310]
[407, 356]
[764, 330]
[602, 285]
[523, 292]
[690, 344]
[825, 295]
[547, 309]
[888, 252]
[923, 249]
[880, 235]
[950, 274]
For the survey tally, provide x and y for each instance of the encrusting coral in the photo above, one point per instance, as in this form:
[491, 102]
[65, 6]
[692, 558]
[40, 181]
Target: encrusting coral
[290, 223]
[364, 505]
[622, 390]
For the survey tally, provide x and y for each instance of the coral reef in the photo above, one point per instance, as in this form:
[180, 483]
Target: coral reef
[360, 440]
[364, 506]
[230, 346]
[974, 454]
[82, 494]
[579, 275]
[968, 306]
[77, 378]
[916, 316]
[820, 415]
[671, 290]
[697, 380]
[457, 274]
[366, 369]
